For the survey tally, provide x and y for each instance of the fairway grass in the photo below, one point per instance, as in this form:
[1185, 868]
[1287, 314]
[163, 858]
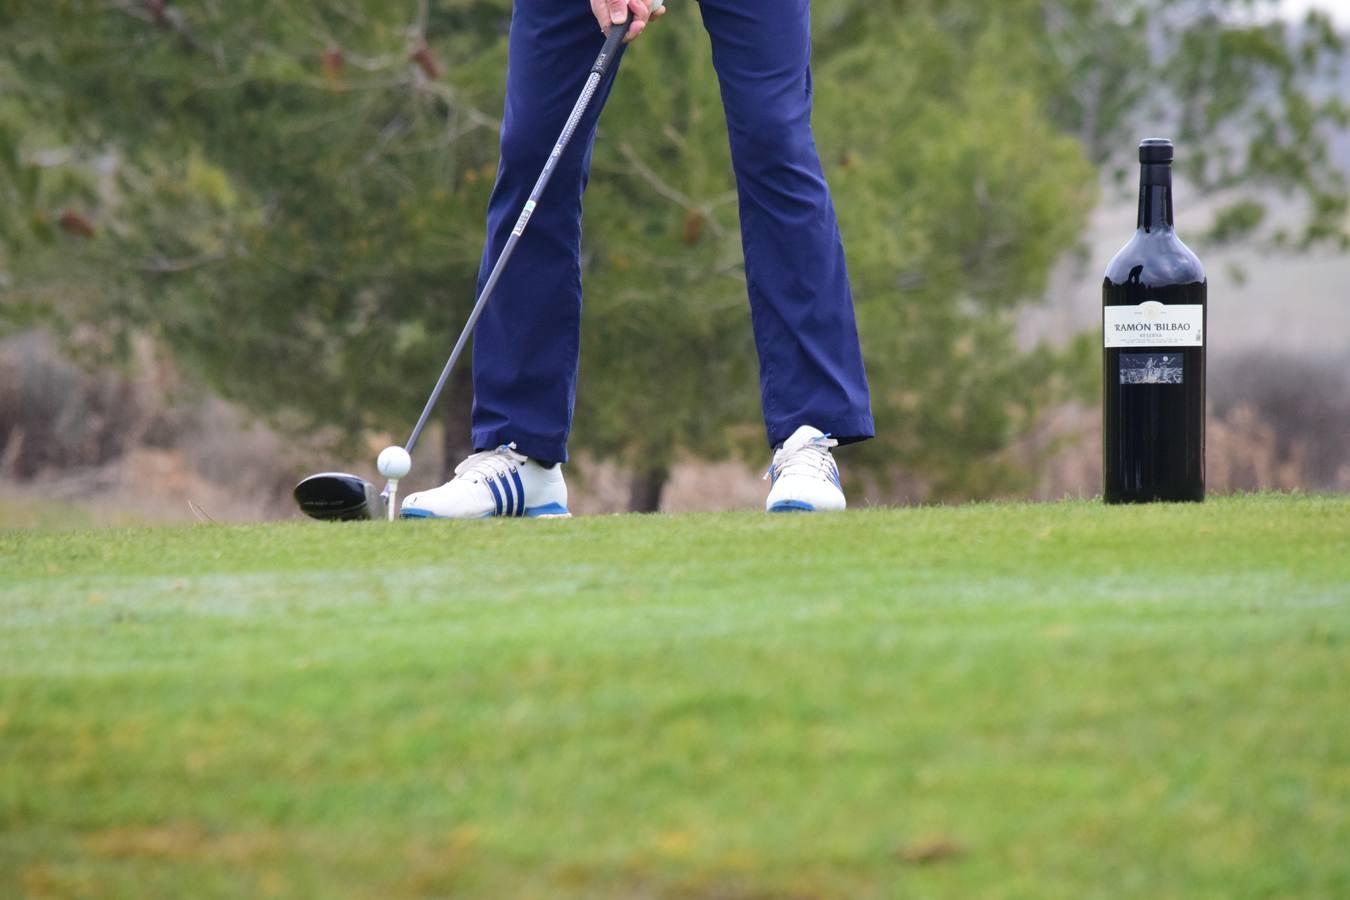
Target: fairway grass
[995, 701]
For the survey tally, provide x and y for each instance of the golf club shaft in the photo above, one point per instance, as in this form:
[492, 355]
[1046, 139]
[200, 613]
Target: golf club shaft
[598, 72]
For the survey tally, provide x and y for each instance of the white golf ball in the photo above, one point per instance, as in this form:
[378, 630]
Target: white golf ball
[394, 462]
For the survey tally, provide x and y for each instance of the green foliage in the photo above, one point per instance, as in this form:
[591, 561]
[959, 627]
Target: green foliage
[668, 359]
[1249, 99]
[986, 701]
[951, 226]
[299, 228]
[290, 197]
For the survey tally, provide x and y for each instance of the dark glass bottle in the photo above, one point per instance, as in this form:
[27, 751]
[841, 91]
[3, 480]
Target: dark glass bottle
[1153, 326]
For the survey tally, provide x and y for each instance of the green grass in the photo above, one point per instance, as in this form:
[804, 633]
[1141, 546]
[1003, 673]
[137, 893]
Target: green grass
[1056, 701]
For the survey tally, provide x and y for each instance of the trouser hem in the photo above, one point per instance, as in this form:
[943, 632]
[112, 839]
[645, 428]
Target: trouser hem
[533, 446]
[846, 429]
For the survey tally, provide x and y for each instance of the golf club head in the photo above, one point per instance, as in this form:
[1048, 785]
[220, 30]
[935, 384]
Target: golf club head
[337, 496]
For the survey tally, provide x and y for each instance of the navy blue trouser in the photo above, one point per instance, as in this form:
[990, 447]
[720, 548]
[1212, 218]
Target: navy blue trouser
[527, 343]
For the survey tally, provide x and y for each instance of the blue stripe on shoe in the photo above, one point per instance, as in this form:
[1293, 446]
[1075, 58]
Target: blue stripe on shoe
[548, 509]
[496, 495]
[520, 492]
[507, 493]
[791, 506]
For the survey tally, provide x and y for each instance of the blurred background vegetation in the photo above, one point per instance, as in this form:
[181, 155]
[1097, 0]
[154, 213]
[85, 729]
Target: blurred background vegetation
[238, 237]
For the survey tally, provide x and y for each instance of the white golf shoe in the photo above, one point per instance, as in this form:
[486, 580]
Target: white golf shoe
[497, 482]
[804, 474]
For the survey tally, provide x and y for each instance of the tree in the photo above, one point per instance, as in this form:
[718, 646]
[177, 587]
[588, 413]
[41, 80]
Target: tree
[295, 194]
[290, 197]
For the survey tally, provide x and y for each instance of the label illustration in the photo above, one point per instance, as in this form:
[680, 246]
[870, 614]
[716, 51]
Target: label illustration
[1153, 324]
[1151, 368]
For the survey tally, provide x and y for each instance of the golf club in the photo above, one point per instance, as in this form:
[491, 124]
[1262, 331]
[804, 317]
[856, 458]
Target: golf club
[340, 496]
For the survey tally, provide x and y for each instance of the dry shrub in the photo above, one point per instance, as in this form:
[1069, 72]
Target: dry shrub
[1276, 422]
[144, 441]
[1243, 452]
[1283, 421]
[54, 416]
[140, 440]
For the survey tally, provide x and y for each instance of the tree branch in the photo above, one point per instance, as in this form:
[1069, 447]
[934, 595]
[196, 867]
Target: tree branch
[165, 266]
[647, 174]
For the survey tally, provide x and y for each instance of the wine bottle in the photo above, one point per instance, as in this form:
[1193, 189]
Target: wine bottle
[1153, 327]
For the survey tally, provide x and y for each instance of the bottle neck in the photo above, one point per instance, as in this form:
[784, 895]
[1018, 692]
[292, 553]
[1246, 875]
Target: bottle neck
[1155, 196]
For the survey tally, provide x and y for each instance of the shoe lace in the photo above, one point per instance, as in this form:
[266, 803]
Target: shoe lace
[811, 458]
[488, 464]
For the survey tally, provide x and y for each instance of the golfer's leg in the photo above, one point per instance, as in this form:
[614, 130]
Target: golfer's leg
[811, 369]
[526, 347]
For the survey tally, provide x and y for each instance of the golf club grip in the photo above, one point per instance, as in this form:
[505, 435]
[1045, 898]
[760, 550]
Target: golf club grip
[609, 54]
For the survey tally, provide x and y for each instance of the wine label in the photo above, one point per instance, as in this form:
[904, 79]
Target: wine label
[1151, 368]
[1153, 324]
